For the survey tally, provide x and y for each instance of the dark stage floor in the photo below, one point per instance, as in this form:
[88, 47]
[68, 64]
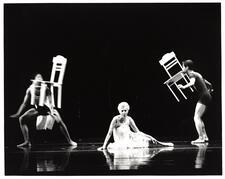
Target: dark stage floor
[182, 159]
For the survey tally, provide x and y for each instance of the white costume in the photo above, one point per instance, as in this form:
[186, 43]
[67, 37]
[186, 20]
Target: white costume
[125, 138]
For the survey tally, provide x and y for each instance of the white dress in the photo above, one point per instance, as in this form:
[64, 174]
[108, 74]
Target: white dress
[125, 138]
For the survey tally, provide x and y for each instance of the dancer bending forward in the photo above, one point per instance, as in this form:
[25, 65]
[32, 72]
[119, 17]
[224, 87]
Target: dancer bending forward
[204, 89]
[46, 111]
[122, 134]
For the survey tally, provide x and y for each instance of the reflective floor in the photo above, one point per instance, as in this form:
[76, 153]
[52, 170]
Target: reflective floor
[59, 159]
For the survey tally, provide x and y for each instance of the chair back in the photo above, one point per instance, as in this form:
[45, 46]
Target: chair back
[169, 61]
[59, 66]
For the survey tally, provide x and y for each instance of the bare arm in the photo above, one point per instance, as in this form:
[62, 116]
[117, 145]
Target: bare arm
[109, 134]
[23, 105]
[135, 129]
[191, 83]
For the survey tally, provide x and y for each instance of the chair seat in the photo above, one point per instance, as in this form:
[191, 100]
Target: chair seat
[177, 77]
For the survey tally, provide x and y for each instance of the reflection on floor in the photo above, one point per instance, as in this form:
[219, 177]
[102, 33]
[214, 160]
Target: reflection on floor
[182, 159]
[127, 159]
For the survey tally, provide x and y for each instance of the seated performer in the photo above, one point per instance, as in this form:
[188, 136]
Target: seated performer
[47, 111]
[204, 89]
[122, 134]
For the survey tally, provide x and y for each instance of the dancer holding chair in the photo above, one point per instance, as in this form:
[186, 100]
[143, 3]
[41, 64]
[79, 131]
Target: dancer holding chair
[204, 89]
[42, 98]
[47, 110]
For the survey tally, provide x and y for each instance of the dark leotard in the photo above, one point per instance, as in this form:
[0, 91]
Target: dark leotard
[204, 95]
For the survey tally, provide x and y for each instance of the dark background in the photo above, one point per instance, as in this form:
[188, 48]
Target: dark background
[113, 53]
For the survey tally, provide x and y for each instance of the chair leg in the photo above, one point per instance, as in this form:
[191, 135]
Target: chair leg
[52, 95]
[187, 82]
[181, 91]
[59, 97]
[32, 102]
[183, 76]
[173, 93]
[42, 94]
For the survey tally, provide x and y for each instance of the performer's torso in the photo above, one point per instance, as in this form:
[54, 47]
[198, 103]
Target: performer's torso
[36, 90]
[122, 131]
[199, 83]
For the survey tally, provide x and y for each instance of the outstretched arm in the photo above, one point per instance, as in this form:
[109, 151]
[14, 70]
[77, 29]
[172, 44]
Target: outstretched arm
[135, 129]
[109, 134]
[191, 83]
[23, 105]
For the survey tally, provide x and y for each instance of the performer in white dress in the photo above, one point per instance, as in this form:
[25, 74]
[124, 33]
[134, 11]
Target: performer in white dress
[121, 126]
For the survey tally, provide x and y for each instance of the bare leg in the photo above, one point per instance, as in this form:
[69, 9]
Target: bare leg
[154, 141]
[65, 132]
[199, 124]
[169, 144]
[24, 128]
[205, 136]
[63, 129]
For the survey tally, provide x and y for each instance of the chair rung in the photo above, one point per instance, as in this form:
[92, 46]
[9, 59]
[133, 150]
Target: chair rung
[171, 64]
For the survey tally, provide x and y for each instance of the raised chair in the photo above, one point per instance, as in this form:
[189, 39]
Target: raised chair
[56, 81]
[59, 66]
[173, 68]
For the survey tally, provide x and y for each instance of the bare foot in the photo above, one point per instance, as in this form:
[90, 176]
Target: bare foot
[199, 140]
[169, 144]
[25, 144]
[72, 143]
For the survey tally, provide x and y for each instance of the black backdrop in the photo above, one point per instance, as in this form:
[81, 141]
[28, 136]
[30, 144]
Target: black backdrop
[113, 52]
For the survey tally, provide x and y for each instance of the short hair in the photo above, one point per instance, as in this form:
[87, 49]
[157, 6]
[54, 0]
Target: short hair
[123, 105]
[188, 63]
[35, 74]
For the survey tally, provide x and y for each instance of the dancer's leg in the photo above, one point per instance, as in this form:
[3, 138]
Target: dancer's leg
[63, 128]
[199, 124]
[205, 136]
[31, 113]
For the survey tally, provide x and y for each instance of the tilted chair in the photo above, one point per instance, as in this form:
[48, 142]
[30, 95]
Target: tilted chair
[173, 68]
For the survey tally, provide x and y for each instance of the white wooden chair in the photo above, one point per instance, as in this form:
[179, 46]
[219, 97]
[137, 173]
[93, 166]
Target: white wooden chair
[173, 68]
[40, 85]
[56, 81]
[59, 65]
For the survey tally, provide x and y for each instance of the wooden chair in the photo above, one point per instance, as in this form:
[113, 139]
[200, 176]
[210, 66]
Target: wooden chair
[173, 68]
[56, 81]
